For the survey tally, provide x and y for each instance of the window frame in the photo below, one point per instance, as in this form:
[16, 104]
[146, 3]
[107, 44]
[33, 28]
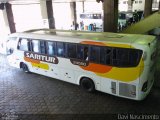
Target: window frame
[64, 49]
[55, 47]
[130, 49]
[83, 46]
[106, 47]
[67, 51]
[38, 45]
[45, 47]
[89, 55]
[28, 44]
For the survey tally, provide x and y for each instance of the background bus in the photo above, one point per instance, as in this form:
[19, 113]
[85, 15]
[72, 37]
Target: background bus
[91, 19]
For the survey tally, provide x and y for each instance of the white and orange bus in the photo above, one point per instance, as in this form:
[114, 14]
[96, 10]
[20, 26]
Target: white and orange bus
[119, 64]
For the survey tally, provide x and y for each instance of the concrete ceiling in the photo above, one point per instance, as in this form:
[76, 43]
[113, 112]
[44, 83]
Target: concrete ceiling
[37, 1]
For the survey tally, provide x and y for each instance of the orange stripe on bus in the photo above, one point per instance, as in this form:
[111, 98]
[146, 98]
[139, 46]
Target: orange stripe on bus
[97, 68]
[31, 60]
[93, 43]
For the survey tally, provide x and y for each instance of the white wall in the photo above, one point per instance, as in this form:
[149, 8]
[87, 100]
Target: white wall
[62, 15]
[27, 17]
[138, 5]
[123, 5]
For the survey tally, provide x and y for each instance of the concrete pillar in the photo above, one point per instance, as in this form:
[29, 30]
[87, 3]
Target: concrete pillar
[159, 5]
[50, 14]
[47, 13]
[6, 23]
[8, 18]
[73, 14]
[148, 8]
[83, 6]
[110, 17]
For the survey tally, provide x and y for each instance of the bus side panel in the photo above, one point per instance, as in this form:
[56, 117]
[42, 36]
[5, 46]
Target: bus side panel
[53, 71]
[143, 79]
[148, 75]
[108, 86]
[65, 70]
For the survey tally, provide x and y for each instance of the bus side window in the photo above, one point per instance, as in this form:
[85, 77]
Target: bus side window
[121, 57]
[71, 50]
[134, 57]
[124, 57]
[43, 47]
[106, 55]
[23, 44]
[51, 48]
[94, 54]
[80, 52]
[85, 53]
[102, 55]
[36, 46]
[60, 49]
[115, 60]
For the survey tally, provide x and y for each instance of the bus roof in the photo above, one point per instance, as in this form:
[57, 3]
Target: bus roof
[90, 36]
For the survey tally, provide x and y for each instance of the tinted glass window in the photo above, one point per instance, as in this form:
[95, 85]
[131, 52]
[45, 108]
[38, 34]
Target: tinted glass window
[94, 53]
[43, 47]
[96, 16]
[23, 44]
[35, 46]
[85, 52]
[106, 55]
[72, 52]
[90, 16]
[60, 49]
[120, 57]
[80, 51]
[51, 48]
[102, 55]
[134, 57]
[126, 57]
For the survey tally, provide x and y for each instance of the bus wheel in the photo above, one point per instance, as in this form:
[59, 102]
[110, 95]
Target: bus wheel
[87, 84]
[25, 68]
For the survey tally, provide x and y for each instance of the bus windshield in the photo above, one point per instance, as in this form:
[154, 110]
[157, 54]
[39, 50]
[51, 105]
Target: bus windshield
[11, 43]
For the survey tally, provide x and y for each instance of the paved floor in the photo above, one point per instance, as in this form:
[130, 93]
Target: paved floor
[22, 93]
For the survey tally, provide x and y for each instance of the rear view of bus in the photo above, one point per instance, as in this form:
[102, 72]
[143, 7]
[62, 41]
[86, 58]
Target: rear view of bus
[147, 76]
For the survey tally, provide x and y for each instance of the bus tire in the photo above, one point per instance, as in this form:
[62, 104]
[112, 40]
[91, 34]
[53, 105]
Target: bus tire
[87, 85]
[25, 68]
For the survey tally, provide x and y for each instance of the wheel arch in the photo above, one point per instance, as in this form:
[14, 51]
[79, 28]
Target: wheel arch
[87, 84]
[81, 77]
[20, 64]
